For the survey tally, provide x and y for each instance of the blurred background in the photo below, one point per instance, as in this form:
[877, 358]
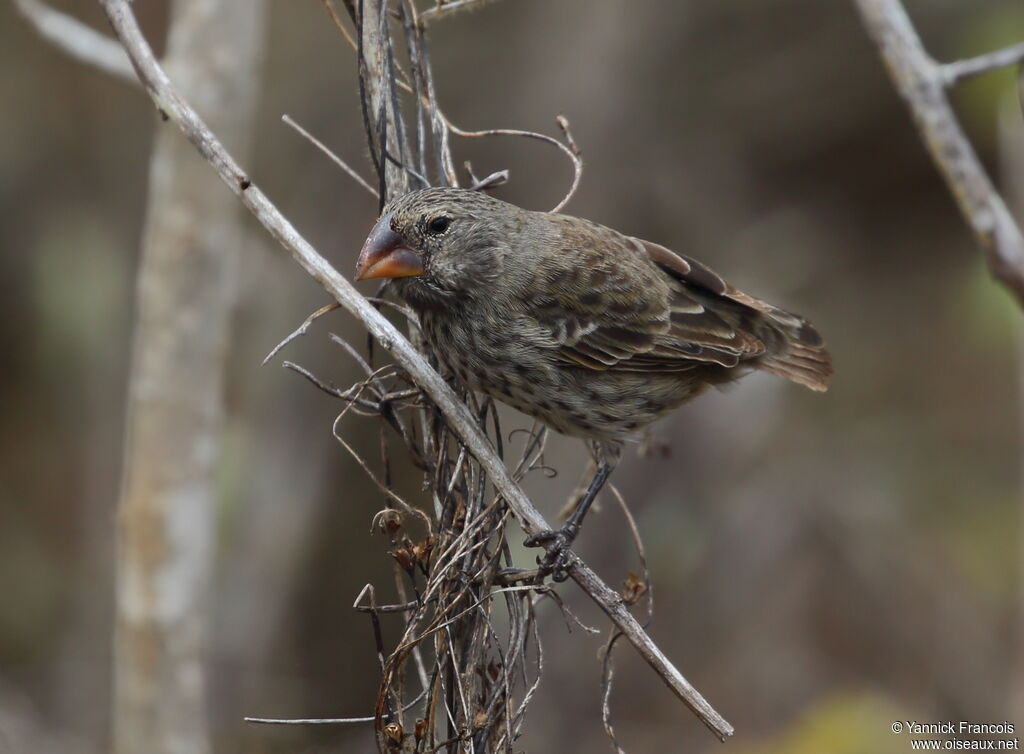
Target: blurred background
[822, 564]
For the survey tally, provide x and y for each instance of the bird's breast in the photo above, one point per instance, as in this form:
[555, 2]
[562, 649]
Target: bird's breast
[506, 363]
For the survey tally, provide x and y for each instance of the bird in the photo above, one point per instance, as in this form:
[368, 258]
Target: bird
[593, 332]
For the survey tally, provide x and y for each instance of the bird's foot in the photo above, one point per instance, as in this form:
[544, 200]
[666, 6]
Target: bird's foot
[557, 557]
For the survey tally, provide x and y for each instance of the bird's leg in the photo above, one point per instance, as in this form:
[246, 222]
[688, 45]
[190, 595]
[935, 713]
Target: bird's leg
[579, 490]
[572, 525]
[557, 541]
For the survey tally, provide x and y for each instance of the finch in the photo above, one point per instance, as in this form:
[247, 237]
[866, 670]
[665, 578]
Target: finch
[593, 332]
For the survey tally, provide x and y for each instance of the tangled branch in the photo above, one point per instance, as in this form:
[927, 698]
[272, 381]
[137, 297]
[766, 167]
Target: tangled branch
[449, 580]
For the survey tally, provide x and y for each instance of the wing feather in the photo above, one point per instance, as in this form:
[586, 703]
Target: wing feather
[618, 303]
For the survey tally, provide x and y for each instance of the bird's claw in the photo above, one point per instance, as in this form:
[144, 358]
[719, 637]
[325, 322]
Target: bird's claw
[557, 557]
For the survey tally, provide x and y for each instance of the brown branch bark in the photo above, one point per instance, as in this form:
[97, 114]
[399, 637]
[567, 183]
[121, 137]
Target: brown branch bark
[460, 420]
[186, 283]
[922, 83]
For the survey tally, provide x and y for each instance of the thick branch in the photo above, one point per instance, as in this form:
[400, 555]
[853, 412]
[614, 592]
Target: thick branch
[922, 83]
[191, 245]
[460, 420]
[79, 41]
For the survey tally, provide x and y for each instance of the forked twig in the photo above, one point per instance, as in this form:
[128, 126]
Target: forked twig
[922, 83]
[300, 330]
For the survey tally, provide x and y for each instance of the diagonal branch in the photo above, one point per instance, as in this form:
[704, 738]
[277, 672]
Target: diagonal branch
[77, 40]
[459, 418]
[922, 83]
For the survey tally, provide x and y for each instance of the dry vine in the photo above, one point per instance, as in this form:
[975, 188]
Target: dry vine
[473, 675]
[479, 681]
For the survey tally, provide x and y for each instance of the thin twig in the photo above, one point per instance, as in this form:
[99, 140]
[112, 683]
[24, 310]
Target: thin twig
[607, 678]
[645, 571]
[324, 720]
[635, 590]
[300, 330]
[391, 494]
[309, 720]
[329, 7]
[570, 150]
[567, 615]
[959, 70]
[444, 8]
[495, 179]
[351, 352]
[351, 395]
[333, 157]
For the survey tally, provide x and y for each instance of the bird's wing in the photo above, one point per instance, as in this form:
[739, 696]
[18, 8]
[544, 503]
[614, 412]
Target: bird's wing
[606, 307]
[781, 342]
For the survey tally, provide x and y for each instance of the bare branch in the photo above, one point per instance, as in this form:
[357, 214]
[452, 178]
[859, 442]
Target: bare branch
[78, 40]
[300, 330]
[642, 587]
[329, 7]
[324, 720]
[459, 419]
[191, 243]
[607, 678]
[310, 720]
[922, 83]
[957, 71]
[444, 8]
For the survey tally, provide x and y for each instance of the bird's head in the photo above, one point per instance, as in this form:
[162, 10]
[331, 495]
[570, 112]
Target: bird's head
[441, 245]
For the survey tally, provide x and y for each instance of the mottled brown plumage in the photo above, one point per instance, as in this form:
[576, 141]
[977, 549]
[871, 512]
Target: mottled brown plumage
[593, 332]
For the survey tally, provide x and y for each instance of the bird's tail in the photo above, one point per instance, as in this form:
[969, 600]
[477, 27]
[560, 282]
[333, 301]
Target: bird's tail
[792, 347]
[802, 358]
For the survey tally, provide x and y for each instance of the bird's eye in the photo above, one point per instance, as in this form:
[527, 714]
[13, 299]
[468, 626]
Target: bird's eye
[438, 225]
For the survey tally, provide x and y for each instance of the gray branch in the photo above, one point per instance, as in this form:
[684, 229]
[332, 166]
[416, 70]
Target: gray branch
[459, 419]
[922, 82]
[191, 248]
[377, 56]
[77, 40]
[959, 70]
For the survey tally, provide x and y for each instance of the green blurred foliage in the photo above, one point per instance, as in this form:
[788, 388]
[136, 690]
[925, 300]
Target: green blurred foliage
[986, 312]
[844, 722]
[980, 99]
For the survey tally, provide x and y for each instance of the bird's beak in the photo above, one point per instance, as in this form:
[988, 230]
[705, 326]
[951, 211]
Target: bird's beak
[385, 255]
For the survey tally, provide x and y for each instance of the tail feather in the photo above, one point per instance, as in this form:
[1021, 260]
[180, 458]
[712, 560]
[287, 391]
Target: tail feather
[803, 359]
[792, 347]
